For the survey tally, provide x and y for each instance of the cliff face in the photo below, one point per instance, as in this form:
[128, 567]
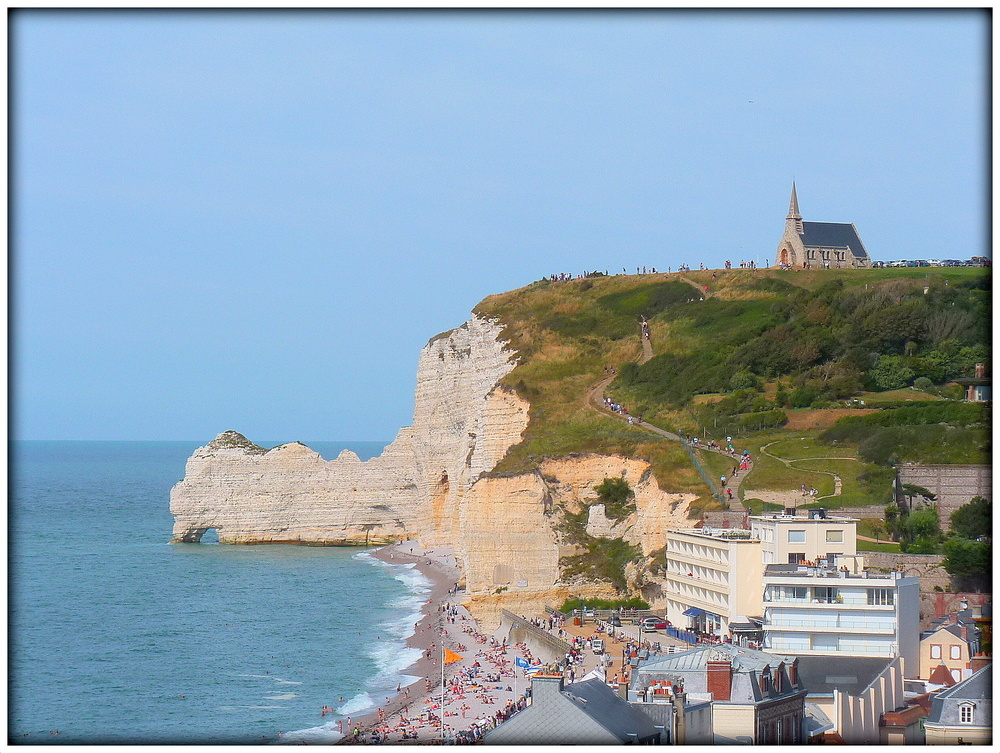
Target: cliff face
[428, 485]
[462, 426]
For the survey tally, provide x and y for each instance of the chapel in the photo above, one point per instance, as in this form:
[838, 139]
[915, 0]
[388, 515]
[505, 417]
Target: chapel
[819, 245]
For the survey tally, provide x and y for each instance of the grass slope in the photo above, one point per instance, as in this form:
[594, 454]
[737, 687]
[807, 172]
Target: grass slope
[798, 344]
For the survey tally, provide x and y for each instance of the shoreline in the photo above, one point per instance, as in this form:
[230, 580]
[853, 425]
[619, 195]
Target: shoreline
[441, 576]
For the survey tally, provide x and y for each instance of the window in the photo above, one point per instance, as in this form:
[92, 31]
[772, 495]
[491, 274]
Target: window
[935, 650]
[834, 537]
[965, 713]
[825, 594]
[797, 537]
[956, 652]
[795, 558]
[884, 597]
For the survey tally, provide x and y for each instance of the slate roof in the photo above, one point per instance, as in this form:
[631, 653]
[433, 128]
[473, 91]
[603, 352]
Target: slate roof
[977, 689]
[692, 665]
[697, 658]
[601, 703]
[849, 674]
[833, 235]
[584, 713]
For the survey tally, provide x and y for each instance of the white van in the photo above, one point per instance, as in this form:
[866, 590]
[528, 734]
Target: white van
[598, 645]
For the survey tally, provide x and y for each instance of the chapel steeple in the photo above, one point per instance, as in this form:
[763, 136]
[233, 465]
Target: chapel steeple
[793, 213]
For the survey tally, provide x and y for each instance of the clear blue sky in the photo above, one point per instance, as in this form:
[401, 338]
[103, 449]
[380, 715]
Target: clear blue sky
[255, 220]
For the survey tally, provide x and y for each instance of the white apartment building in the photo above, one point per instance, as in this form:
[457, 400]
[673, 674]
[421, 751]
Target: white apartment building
[842, 609]
[713, 576]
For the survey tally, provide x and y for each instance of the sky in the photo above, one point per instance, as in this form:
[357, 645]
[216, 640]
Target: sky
[255, 220]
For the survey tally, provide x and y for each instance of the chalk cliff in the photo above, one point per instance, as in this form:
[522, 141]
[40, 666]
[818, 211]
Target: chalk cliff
[463, 424]
[430, 484]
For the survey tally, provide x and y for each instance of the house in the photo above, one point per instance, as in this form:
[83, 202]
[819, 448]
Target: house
[963, 714]
[757, 698]
[819, 244]
[583, 713]
[951, 645]
[979, 388]
[905, 726]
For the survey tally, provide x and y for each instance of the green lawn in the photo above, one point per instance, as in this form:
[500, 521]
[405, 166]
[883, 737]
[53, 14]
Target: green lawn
[882, 546]
[806, 446]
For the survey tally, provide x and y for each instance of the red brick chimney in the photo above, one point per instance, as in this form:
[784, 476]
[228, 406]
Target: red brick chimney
[979, 661]
[719, 679]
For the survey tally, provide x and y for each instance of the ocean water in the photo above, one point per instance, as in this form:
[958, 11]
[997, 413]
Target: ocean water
[118, 636]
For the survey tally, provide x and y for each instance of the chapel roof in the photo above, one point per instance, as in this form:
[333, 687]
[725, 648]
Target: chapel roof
[833, 235]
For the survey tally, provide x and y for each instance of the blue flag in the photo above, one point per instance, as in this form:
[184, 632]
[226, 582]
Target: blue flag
[523, 663]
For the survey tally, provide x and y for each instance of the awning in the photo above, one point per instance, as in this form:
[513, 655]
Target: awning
[693, 612]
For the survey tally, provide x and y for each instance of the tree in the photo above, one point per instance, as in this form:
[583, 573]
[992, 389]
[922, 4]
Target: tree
[617, 496]
[892, 521]
[970, 563]
[912, 490]
[974, 519]
[919, 532]
[890, 373]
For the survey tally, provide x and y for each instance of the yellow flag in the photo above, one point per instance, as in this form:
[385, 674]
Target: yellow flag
[450, 656]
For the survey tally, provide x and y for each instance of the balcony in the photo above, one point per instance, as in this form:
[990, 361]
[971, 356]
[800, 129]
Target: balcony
[829, 604]
[720, 587]
[853, 628]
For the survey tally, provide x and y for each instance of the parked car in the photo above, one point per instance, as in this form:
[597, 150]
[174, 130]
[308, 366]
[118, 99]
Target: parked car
[598, 645]
[652, 624]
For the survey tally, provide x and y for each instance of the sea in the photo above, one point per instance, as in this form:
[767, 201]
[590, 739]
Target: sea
[117, 636]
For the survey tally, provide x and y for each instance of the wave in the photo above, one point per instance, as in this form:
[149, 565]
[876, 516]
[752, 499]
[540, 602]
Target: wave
[361, 702]
[391, 658]
[324, 734]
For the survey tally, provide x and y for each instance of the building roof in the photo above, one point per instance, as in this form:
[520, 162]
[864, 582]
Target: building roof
[611, 711]
[743, 659]
[848, 674]
[816, 720]
[747, 666]
[584, 713]
[833, 235]
[941, 676]
[976, 690]
[906, 717]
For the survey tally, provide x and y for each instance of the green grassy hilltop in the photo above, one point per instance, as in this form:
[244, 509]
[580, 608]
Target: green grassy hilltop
[822, 374]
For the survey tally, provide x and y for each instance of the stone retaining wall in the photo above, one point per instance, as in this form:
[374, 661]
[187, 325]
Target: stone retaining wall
[927, 567]
[544, 646]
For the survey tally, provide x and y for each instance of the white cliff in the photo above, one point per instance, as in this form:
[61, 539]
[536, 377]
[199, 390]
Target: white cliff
[462, 425]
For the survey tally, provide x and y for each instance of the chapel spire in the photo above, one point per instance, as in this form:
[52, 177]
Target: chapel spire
[793, 212]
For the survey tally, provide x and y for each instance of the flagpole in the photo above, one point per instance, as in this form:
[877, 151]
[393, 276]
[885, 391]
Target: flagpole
[442, 683]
